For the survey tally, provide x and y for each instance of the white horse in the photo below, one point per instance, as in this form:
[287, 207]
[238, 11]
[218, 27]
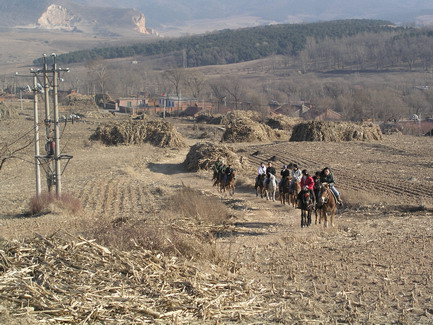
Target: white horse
[270, 187]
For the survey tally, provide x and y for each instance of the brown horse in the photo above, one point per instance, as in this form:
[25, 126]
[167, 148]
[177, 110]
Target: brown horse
[293, 194]
[218, 180]
[284, 189]
[229, 184]
[328, 205]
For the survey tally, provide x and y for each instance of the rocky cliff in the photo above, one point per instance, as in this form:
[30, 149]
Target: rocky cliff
[58, 17]
[70, 16]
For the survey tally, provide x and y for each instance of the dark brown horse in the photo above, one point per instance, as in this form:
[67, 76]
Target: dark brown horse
[328, 205]
[229, 184]
[293, 194]
[259, 185]
[284, 189]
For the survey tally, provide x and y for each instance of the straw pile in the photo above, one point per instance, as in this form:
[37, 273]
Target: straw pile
[77, 281]
[244, 129]
[390, 128]
[80, 100]
[202, 156]
[281, 122]
[156, 132]
[7, 112]
[335, 131]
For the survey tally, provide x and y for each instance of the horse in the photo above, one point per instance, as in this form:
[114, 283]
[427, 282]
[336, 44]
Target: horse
[218, 179]
[328, 205]
[270, 186]
[293, 194]
[317, 189]
[284, 189]
[229, 184]
[306, 203]
[259, 184]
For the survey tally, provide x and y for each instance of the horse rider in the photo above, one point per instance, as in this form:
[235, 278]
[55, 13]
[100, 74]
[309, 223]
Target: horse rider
[217, 167]
[285, 174]
[316, 179]
[262, 170]
[327, 177]
[270, 170]
[307, 184]
[228, 174]
[296, 176]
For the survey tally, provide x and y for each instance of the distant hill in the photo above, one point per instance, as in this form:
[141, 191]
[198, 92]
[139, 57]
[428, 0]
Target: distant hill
[71, 16]
[232, 46]
[163, 12]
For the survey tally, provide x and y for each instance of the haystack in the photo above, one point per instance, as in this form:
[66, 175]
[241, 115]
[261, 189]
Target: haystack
[77, 99]
[156, 132]
[202, 156]
[7, 112]
[391, 128]
[244, 129]
[335, 131]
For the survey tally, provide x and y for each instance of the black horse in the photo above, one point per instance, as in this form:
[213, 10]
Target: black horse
[306, 204]
[259, 184]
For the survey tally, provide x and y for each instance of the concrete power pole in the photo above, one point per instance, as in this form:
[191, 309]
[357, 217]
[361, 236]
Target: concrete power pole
[58, 171]
[51, 160]
[36, 125]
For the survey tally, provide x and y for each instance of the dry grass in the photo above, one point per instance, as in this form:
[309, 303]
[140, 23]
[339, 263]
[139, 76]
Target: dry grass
[46, 202]
[185, 229]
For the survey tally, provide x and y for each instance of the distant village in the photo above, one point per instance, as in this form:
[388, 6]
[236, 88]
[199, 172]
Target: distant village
[172, 105]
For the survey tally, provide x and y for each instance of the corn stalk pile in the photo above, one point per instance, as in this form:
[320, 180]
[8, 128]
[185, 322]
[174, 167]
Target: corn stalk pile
[72, 281]
[336, 131]
[156, 132]
[202, 156]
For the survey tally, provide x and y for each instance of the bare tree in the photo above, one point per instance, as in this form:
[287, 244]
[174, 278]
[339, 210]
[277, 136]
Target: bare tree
[195, 82]
[236, 90]
[219, 90]
[99, 74]
[14, 150]
[175, 77]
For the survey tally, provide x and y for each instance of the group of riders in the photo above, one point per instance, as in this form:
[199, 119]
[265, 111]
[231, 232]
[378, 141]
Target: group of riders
[290, 175]
[222, 173]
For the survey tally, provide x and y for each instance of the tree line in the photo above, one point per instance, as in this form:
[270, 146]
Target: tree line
[233, 46]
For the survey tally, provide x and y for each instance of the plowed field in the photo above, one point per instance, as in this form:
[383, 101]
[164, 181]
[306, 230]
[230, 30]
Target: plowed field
[374, 267]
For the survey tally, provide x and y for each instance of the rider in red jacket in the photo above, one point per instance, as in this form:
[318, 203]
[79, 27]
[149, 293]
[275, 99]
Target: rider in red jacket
[307, 183]
[307, 180]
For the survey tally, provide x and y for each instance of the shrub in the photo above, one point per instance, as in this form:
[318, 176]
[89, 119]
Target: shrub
[47, 200]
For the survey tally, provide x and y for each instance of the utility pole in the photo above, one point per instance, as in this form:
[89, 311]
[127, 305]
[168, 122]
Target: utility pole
[51, 160]
[36, 125]
[56, 129]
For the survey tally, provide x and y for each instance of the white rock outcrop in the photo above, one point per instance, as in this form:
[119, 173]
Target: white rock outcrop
[58, 17]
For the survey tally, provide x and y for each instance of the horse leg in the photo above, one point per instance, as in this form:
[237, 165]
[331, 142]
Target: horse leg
[309, 217]
[325, 218]
[332, 219]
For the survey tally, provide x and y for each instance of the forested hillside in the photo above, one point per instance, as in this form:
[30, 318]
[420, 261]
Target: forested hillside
[233, 46]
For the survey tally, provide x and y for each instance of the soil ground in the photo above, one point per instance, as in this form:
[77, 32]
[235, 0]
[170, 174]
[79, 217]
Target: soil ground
[374, 267]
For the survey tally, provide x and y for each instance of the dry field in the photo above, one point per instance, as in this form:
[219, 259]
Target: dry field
[374, 267]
